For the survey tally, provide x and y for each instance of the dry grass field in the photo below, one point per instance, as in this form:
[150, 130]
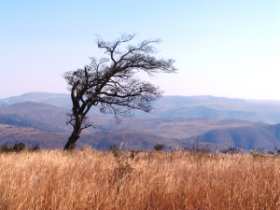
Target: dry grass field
[124, 181]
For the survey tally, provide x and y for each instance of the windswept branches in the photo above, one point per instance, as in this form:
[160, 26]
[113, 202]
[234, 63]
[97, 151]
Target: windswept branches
[133, 95]
[110, 83]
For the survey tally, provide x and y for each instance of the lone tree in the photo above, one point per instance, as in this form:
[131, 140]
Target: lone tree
[110, 83]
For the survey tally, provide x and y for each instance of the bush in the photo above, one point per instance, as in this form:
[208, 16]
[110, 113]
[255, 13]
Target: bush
[35, 148]
[159, 147]
[231, 150]
[18, 147]
[115, 150]
[5, 148]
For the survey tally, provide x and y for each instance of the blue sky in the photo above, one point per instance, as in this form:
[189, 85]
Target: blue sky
[223, 48]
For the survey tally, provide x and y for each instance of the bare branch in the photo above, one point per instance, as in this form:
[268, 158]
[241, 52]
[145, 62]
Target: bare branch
[110, 82]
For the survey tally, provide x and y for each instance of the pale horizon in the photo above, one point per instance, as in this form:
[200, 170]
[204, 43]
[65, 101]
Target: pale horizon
[163, 95]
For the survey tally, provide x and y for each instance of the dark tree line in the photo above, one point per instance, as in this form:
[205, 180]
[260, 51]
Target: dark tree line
[110, 83]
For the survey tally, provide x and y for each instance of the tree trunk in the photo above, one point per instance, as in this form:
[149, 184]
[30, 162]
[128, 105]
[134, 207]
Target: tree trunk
[71, 143]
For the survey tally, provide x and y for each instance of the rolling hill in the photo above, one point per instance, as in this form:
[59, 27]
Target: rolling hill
[179, 107]
[258, 137]
[35, 115]
[176, 121]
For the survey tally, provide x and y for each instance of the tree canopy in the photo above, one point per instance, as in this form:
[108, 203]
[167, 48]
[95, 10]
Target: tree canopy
[110, 82]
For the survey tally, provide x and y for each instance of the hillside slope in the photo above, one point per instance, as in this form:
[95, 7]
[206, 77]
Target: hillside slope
[258, 137]
[180, 107]
[177, 122]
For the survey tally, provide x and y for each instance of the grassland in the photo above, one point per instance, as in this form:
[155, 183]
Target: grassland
[124, 181]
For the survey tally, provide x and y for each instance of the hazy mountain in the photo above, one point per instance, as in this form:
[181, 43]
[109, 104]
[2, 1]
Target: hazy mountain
[176, 121]
[259, 137]
[30, 136]
[56, 99]
[217, 108]
[35, 115]
[184, 107]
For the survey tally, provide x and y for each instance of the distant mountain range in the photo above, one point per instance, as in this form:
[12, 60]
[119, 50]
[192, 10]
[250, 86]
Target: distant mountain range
[176, 121]
[184, 107]
[56, 99]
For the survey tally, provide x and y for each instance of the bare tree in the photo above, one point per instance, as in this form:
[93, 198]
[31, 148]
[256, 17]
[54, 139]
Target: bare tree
[110, 83]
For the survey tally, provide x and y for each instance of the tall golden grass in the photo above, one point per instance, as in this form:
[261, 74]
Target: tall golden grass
[124, 181]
